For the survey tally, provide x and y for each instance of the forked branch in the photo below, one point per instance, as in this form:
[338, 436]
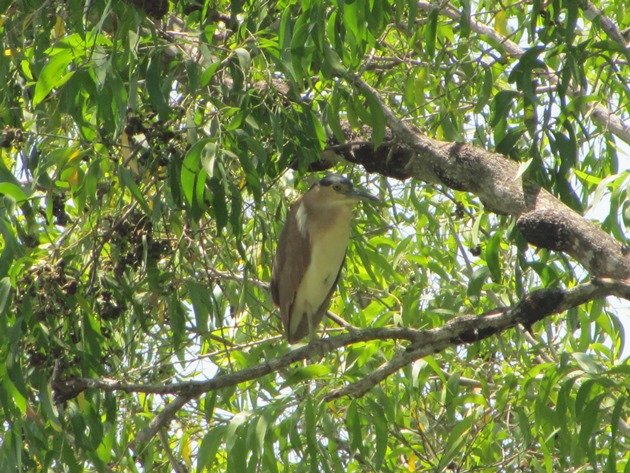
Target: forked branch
[458, 331]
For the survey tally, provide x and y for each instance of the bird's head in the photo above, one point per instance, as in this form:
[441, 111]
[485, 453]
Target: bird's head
[339, 190]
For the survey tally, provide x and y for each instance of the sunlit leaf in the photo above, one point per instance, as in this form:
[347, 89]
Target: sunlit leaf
[53, 75]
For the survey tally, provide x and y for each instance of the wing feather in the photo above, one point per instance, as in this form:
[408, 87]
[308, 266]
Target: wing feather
[292, 258]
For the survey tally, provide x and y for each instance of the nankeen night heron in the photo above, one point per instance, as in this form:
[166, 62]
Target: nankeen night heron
[311, 251]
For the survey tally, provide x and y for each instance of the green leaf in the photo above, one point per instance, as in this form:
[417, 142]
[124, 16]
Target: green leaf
[616, 450]
[509, 140]
[381, 433]
[192, 182]
[430, 32]
[587, 363]
[486, 90]
[353, 423]
[310, 425]
[454, 442]
[177, 319]
[587, 178]
[209, 448]
[237, 456]
[244, 59]
[476, 282]
[201, 304]
[588, 421]
[501, 106]
[209, 403]
[524, 425]
[522, 168]
[5, 292]
[450, 395]
[303, 373]
[208, 157]
[231, 435]
[492, 256]
[219, 202]
[127, 179]
[13, 190]
[154, 78]
[333, 61]
[236, 209]
[175, 183]
[583, 395]
[208, 73]
[53, 75]
[333, 118]
[464, 22]
[19, 400]
[351, 19]
[567, 150]
[262, 426]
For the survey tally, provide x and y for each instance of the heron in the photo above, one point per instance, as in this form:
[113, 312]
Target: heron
[311, 251]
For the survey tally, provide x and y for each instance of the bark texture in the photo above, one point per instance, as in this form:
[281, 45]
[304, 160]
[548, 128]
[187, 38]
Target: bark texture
[543, 220]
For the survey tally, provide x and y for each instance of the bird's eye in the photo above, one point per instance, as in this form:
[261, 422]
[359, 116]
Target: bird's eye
[337, 187]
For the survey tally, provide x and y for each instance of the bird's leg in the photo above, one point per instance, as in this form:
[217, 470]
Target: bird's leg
[314, 340]
[312, 330]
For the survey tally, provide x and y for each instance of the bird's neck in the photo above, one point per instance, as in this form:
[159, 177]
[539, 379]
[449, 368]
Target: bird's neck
[329, 217]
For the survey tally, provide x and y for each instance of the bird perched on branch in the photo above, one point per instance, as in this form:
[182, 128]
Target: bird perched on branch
[311, 251]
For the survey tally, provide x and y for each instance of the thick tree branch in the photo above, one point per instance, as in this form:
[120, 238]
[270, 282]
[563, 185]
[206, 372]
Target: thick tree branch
[600, 113]
[532, 308]
[543, 220]
[460, 330]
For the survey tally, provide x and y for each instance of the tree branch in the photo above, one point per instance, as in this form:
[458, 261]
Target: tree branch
[543, 220]
[592, 13]
[509, 46]
[460, 330]
[533, 307]
[175, 464]
[600, 113]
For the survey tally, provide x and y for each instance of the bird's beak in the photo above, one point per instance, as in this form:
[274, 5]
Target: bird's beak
[363, 195]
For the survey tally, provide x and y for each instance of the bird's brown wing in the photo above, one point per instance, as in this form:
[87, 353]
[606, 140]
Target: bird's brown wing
[292, 258]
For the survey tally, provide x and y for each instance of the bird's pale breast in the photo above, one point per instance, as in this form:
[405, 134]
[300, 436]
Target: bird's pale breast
[329, 243]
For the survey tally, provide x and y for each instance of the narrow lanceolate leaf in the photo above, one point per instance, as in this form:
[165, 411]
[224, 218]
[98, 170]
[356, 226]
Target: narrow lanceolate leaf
[588, 423]
[13, 190]
[127, 179]
[377, 121]
[209, 448]
[5, 292]
[53, 75]
[311, 437]
[151, 153]
[493, 260]
[430, 32]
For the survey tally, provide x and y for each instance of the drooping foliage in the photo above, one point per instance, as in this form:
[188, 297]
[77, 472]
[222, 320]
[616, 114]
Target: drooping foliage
[148, 161]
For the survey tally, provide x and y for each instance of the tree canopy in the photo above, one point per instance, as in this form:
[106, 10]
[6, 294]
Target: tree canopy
[150, 152]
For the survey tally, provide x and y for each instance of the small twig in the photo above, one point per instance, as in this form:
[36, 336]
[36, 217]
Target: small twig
[341, 322]
[541, 357]
[610, 28]
[160, 420]
[178, 467]
[238, 278]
